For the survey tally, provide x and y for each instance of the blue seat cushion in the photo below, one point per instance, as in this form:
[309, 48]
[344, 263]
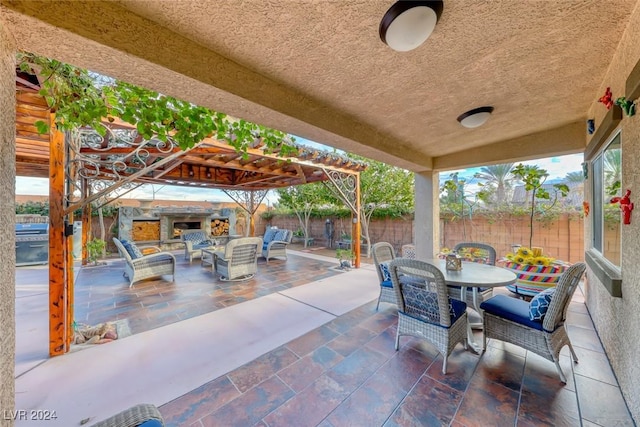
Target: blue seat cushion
[539, 304]
[151, 423]
[512, 309]
[386, 284]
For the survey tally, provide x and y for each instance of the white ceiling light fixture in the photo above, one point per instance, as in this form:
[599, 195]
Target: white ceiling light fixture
[407, 24]
[476, 117]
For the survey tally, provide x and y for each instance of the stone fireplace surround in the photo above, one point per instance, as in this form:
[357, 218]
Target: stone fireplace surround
[168, 217]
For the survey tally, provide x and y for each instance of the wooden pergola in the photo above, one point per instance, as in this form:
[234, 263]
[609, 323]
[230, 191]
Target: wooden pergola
[75, 161]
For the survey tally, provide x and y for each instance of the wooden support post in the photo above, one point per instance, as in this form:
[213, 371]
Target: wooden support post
[69, 278]
[355, 230]
[57, 264]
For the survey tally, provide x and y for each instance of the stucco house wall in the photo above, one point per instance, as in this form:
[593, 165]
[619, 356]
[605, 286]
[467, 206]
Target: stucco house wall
[617, 320]
[7, 219]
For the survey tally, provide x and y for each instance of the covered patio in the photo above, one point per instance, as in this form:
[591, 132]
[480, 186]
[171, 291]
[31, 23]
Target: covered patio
[300, 344]
[320, 70]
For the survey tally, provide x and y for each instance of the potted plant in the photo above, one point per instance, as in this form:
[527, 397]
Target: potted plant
[95, 247]
[346, 258]
[535, 271]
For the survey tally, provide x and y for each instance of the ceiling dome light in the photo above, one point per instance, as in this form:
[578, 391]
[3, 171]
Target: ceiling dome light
[407, 24]
[476, 117]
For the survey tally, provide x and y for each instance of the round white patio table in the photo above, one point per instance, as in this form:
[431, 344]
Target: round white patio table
[474, 275]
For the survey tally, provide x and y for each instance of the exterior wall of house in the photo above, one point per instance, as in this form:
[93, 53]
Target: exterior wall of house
[617, 320]
[7, 219]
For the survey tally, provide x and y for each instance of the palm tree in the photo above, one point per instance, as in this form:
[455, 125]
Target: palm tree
[574, 177]
[499, 178]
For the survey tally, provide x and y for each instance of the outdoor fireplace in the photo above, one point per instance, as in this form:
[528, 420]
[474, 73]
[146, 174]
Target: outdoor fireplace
[179, 225]
[164, 226]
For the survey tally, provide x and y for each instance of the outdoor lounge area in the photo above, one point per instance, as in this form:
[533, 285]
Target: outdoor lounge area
[102, 98]
[299, 344]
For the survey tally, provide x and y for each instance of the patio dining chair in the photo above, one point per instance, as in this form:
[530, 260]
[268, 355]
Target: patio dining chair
[474, 252]
[539, 325]
[425, 310]
[383, 253]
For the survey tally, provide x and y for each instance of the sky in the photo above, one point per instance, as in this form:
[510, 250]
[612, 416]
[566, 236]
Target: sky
[557, 167]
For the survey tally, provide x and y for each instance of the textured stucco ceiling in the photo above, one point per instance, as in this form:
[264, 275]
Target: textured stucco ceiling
[318, 68]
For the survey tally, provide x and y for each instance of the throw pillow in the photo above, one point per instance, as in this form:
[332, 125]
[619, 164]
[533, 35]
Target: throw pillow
[128, 246]
[540, 304]
[280, 236]
[196, 238]
[269, 234]
[135, 252]
[384, 270]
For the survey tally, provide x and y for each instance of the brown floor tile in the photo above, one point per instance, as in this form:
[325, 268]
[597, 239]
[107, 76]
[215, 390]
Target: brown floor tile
[550, 409]
[460, 367]
[384, 343]
[415, 411]
[312, 340]
[351, 340]
[501, 367]
[488, 404]
[305, 371]
[310, 406]
[252, 406]
[541, 375]
[198, 403]
[355, 369]
[258, 370]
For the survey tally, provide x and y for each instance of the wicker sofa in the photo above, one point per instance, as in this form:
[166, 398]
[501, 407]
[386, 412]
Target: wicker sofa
[139, 267]
[275, 242]
[194, 241]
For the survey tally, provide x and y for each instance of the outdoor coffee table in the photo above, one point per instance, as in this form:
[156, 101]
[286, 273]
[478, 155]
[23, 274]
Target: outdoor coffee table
[209, 254]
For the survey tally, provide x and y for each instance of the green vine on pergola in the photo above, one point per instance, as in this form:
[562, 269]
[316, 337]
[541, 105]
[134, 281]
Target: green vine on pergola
[80, 98]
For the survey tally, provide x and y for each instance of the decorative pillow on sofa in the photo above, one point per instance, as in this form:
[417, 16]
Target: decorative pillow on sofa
[269, 234]
[540, 304]
[280, 236]
[132, 249]
[196, 238]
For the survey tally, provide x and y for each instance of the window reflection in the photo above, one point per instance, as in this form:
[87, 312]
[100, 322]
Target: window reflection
[607, 171]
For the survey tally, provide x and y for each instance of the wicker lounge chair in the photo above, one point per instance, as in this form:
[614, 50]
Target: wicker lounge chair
[240, 261]
[275, 242]
[134, 416]
[509, 319]
[383, 253]
[139, 267]
[427, 312]
[484, 254]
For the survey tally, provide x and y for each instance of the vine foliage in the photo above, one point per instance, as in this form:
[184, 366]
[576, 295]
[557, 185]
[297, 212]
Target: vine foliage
[80, 98]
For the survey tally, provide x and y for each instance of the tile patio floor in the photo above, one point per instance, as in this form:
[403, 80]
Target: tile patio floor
[343, 371]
